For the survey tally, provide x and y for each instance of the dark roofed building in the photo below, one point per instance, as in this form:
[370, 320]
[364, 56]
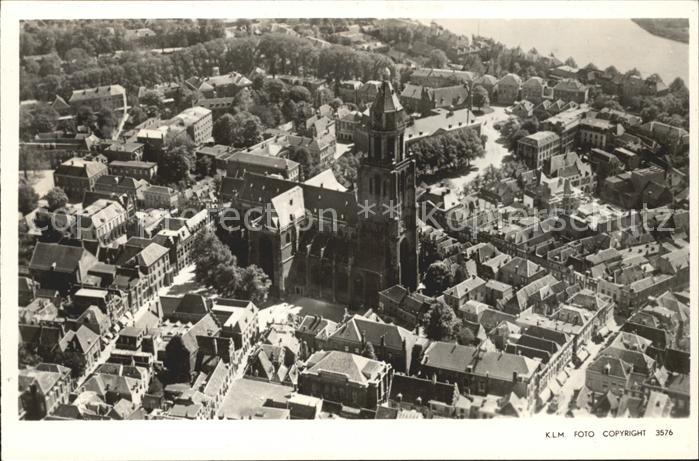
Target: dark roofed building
[346, 378]
[59, 266]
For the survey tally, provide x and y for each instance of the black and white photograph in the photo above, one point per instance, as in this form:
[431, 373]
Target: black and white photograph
[232, 217]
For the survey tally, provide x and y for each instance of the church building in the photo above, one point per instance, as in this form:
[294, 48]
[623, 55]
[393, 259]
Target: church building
[341, 246]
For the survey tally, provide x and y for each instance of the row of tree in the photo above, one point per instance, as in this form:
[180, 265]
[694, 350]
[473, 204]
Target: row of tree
[106, 36]
[217, 268]
[278, 53]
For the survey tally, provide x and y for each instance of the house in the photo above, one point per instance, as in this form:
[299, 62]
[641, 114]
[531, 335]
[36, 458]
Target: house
[473, 288]
[221, 86]
[570, 167]
[347, 90]
[565, 124]
[391, 343]
[346, 378]
[239, 321]
[84, 342]
[427, 396]
[523, 109]
[519, 272]
[672, 138]
[564, 72]
[113, 383]
[535, 149]
[160, 197]
[633, 189]
[314, 331]
[42, 389]
[507, 89]
[596, 132]
[123, 151]
[404, 307]
[631, 160]
[488, 82]
[119, 185]
[111, 303]
[481, 373]
[570, 90]
[533, 90]
[439, 121]
[59, 266]
[150, 259]
[423, 99]
[607, 374]
[135, 169]
[197, 122]
[241, 162]
[112, 97]
[435, 78]
[76, 176]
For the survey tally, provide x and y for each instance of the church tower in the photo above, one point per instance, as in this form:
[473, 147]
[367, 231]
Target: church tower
[388, 244]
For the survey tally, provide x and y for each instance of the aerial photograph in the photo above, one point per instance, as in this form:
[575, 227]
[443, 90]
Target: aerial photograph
[353, 218]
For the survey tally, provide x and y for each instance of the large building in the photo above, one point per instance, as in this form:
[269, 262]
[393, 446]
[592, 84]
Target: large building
[112, 97]
[347, 379]
[537, 148]
[76, 176]
[318, 242]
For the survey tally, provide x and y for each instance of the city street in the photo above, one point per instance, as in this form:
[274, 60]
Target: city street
[576, 376]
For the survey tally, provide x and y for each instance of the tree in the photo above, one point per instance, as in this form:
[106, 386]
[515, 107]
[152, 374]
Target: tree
[514, 139]
[571, 62]
[465, 336]
[439, 322]
[44, 119]
[678, 85]
[56, 199]
[304, 157]
[300, 93]
[28, 198]
[510, 127]
[254, 285]
[437, 59]
[429, 252]
[223, 130]
[368, 351]
[174, 165]
[437, 278]
[480, 97]
[204, 166]
[151, 99]
[611, 70]
[345, 169]
[531, 125]
[85, 116]
[106, 122]
[240, 130]
[210, 256]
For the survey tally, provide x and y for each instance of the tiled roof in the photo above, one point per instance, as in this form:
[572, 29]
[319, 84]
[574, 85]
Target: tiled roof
[357, 368]
[448, 356]
[60, 258]
[410, 388]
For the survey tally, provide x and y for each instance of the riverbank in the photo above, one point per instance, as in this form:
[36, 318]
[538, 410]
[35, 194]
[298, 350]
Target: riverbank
[672, 29]
[585, 40]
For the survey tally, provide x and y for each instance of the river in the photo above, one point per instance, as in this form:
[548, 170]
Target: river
[604, 42]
